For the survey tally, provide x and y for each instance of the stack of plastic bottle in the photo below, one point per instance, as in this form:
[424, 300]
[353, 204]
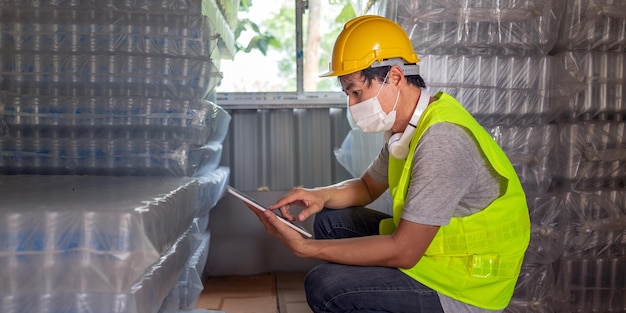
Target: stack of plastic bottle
[498, 59]
[592, 150]
[109, 152]
[94, 88]
[492, 56]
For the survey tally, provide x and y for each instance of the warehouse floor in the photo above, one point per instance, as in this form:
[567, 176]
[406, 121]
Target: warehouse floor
[280, 292]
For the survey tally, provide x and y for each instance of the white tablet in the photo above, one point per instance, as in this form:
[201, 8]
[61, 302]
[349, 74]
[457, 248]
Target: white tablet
[257, 205]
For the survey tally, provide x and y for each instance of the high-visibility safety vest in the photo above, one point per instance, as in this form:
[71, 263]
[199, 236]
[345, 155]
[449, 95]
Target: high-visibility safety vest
[475, 259]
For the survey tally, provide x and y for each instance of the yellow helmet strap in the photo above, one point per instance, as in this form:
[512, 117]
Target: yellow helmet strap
[407, 69]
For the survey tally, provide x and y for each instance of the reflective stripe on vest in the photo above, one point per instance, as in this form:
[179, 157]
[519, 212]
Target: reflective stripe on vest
[475, 259]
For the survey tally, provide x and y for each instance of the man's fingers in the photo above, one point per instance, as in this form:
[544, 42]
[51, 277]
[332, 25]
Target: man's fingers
[284, 210]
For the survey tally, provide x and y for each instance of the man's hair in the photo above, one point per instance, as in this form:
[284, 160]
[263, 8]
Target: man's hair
[379, 73]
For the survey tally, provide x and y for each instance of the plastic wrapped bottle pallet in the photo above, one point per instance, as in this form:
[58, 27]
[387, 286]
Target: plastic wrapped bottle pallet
[221, 29]
[221, 25]
[171, 302]
[531, 152]
[105, 31]
[137, 75]
[108, 279]
[178, 7]
[549, 221]
[106, 52]
[190, 284]
[602, 80]
[592, 155]
[106, 157]
[145, 294]
[597, 25]
[194, 121]
[212, 185]
[110, 230]
[477, 27]
[110, 135]
[534, 291]
[497, 90]
[591, 285]
[597, 223]
[108, 91]
[185, 294]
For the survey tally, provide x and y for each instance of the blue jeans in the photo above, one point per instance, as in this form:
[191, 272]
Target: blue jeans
[332, 287]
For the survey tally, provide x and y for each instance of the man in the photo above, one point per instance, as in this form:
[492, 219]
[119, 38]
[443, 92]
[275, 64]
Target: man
[460, 224]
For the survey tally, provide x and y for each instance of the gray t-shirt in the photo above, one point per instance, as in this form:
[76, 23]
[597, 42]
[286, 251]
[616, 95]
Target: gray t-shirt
[450, 178]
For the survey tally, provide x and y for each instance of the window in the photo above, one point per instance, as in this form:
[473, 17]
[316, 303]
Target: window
[276, 63]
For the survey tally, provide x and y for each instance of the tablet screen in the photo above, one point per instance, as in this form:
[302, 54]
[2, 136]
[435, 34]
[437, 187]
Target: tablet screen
[260, 207]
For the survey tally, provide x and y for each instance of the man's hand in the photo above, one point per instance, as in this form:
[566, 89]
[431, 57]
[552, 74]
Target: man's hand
[311, 200]
[289, 237]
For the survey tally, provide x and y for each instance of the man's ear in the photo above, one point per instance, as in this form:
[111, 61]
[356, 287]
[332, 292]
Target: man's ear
[396, 76]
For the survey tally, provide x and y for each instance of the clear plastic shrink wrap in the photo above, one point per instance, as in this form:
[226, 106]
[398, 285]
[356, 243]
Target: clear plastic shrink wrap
[171, 302]
[358, 150]
[112, 232]
[591, 285]
[51, 73]
[212, 183]
[530, 149]
[196, 121]
[222, 25]
[534, 290]
[95, 156]
[597, 223]
[105, 32]
[106, 53]
[598, 25]
[186, 292]
[495, 27]
[229, 9]
[602, 80]
[107, 88]
[190, 283]
[110, 136]
[108, 229]
[549, 220]
[152, 6]
[592, 155]
[497, 90]
[146, 294]
[590, 272]
[3, 124]
[531, 152]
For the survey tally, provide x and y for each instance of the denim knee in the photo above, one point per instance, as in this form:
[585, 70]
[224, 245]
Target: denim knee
[316, 290]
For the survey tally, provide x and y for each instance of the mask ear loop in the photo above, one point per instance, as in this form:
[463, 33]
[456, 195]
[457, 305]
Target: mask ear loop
[395, 105]
[382, 85]
[398, 143]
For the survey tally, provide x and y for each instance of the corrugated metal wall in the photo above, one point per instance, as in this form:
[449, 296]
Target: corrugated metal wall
[279, 148]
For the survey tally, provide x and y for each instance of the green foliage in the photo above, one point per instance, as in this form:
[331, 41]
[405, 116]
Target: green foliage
[260, 41]
[244, 5]
[282, 25]
[347, 13]
[278, 33]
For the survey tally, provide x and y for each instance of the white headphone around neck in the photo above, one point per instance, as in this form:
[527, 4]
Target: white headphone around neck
[398, 143]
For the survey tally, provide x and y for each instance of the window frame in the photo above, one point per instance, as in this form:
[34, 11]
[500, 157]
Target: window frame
[283, 100]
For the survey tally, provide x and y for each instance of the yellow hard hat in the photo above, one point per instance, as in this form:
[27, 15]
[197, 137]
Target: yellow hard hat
[368, 39]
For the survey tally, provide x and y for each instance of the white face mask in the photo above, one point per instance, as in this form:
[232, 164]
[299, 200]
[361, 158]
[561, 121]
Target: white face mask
[369, 116]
